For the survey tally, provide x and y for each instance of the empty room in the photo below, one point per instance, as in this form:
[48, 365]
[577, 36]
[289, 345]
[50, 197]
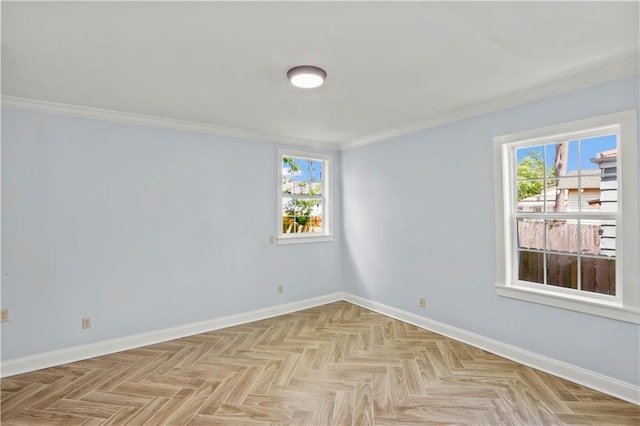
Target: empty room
[320, 213]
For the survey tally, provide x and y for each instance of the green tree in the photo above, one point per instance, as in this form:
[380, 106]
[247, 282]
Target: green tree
[300, 210]
[288, 163]
[531, 167]
[291, 163]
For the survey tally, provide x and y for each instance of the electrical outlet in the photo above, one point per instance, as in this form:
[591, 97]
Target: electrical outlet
[422, 302]
[86, 322]
[280, 289]
[4, 315]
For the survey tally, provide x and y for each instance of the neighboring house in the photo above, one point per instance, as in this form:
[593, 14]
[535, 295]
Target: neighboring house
[300, 188]
[607, 161]
[587, 195]
[535, 203]
[585, 191]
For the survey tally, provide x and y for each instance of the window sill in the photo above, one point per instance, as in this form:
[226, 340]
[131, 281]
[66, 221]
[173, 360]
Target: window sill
[579, 305]
[302, 239]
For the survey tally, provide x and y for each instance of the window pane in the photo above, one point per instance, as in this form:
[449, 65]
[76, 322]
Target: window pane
[599, 163]
[562, 235]
[558, 195]
[302, 176]
[562, 170]
[590, 187]
[288, 224]
[597, 150]
[575, 193]
[530, 234]
[301, 215]
[528, 153]
[562, 270]
[598, 237]
[315, 218]
[566, 164]
[598, 275]
[532, 157]
[530, 171]
[290, 171]
[531, 196]
[287, 205]
[531, 266]
[608, 238]
[608, 192]
[301, 224]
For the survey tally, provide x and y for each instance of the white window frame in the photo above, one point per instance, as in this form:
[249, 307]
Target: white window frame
[327, 219]
[625, 306]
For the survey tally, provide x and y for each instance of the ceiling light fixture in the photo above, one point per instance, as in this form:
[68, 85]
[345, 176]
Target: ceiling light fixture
[306, 76]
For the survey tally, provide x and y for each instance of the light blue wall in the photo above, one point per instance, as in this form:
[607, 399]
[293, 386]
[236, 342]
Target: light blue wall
[144, 229]
[141, 229]
[418, 217]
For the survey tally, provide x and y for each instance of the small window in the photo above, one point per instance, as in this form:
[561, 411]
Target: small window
[561, 192]
[303, 198]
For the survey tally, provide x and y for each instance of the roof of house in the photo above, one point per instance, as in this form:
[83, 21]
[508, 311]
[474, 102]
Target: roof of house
[590, 178]
[609, 155]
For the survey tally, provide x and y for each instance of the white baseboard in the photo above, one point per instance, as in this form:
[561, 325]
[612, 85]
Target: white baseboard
[608, 385]
[599, 382]
[77, 353]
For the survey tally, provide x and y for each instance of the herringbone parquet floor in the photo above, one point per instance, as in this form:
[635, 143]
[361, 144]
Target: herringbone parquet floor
[336, 364]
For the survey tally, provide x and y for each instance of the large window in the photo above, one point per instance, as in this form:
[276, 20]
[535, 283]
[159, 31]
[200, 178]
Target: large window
[567, 227]
[303, 197]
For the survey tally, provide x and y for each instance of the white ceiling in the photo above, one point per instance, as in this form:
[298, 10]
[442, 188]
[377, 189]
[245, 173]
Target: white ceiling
[393, 67]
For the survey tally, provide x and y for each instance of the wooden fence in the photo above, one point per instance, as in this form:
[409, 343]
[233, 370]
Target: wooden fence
[289, 225]
[597, 274]
[561, 236]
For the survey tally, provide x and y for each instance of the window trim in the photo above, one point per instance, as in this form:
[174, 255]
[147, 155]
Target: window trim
[327, 218]
[625, 307]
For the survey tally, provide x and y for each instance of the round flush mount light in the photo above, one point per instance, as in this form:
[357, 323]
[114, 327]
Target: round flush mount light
[306, 76]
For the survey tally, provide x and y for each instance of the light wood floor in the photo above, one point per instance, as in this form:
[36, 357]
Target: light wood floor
[336, 364]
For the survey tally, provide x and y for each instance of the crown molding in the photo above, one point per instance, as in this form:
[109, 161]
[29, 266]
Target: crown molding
[589, 75]
[153, 121]
[609, 70]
